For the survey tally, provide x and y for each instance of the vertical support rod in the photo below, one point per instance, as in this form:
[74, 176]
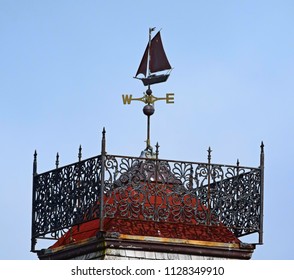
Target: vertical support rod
[208, 187]
[148, 110]
[261, 192]
[156, 169]
[33, 239]
[148, 132]
[103, 159]
[79, 181]
[191, 178]
[237, 194]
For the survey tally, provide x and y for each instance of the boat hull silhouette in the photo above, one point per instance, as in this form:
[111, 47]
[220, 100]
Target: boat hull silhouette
[154, 79]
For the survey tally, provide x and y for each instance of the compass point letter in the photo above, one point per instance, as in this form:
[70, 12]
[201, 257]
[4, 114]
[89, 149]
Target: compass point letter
[170, 98]
[127, 98]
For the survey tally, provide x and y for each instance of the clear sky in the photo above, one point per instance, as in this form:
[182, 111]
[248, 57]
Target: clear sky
[64, 65]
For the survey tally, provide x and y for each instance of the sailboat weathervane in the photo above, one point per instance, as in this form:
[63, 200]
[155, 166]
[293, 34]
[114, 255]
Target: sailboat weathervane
[154, 60]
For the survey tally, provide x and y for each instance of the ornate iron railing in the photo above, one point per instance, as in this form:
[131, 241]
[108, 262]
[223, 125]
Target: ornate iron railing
[147, 189]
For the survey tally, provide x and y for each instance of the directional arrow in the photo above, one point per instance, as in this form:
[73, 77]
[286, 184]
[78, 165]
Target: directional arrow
[148, 99]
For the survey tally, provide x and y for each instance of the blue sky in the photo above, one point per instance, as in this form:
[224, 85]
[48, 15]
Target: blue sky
[65, 64]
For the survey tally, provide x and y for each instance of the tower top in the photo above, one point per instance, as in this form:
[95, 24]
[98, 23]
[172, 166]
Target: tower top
[111, 206]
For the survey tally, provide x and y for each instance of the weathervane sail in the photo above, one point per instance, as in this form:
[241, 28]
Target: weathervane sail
[153, 61]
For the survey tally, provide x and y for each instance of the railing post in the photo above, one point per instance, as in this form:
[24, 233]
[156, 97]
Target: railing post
[156, 213]
[261, 192]
[208, 186]
[103, 159]
[33, 239]
[79, 181]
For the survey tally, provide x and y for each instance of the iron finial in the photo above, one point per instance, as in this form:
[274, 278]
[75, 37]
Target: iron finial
[261, 147]
[238, 166]
[209, 154]
[157, 150]
[103, 142]
[262, 155]
[80, 153]
[35, 163]
[57, 160]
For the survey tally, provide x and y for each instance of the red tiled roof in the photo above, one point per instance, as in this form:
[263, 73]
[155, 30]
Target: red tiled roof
[169, 197]
[139, 226]
[148, 228]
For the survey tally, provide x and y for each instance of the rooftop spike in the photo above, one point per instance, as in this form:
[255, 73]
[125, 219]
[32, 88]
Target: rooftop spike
[262, 154]
[80, 153]
[35, 163]
[262, 147]
[209, 154]
[103, 142]
[57, 161]
[157, 150]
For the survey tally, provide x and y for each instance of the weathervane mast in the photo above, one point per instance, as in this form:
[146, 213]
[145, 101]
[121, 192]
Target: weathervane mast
[149, 47]
[154, 60]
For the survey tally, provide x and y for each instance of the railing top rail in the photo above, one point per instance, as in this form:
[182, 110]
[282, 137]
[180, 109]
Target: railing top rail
[186, 162]
[67, 165]
[150, 159]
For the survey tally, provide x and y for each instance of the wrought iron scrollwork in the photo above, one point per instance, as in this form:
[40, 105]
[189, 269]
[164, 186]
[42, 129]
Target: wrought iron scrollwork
[147, 190]
[62, 197]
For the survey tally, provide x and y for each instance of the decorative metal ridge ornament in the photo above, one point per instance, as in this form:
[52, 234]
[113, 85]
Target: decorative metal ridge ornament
[154, 60]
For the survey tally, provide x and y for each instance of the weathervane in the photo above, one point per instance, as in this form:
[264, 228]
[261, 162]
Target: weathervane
[154, 60]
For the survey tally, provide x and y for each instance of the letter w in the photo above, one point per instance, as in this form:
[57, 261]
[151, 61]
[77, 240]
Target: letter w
[127, 98]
